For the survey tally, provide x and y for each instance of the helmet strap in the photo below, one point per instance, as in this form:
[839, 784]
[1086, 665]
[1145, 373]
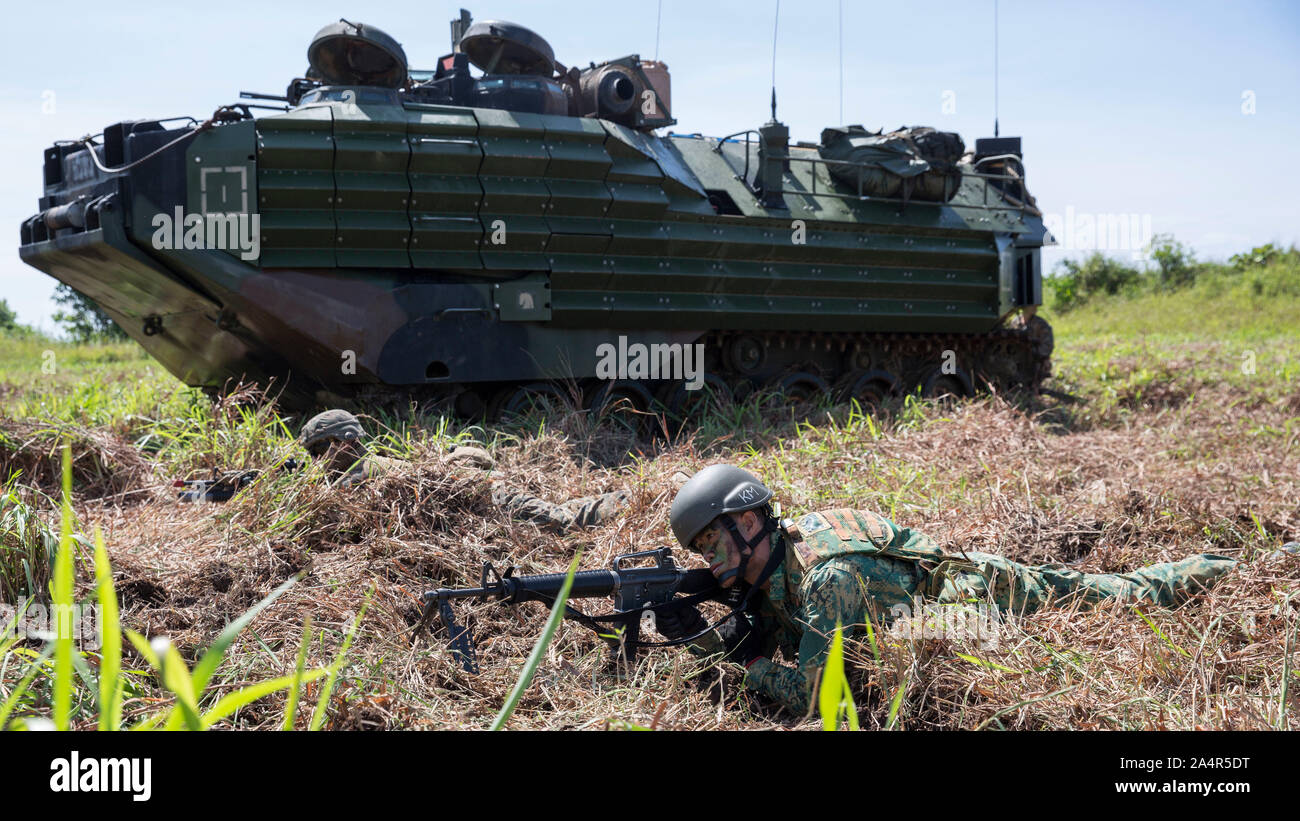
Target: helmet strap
[746, 546]
[773, 562]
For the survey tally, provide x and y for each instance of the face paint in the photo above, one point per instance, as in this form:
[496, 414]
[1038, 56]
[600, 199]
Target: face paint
[712, 544]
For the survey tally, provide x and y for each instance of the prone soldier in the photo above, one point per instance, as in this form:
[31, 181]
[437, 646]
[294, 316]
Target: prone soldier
[845, 566]
[336, 438]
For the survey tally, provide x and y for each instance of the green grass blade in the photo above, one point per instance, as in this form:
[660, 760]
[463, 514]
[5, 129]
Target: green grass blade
[7, 643]
[23, 684]
[871, 631]
[110, 665]
[291, 707]
[871, 640]
[829, 696]
[150, 722]
[231, 702]
[1286, 678]
[27, 574]
[176, 677]
[895, 704]
[1159, 633]
[141, 645]
[535, 658]
[992, 665]
[12, 626]
[83, 671]
[63, 605]
[207, 665]
[849, 707]
[322, 703]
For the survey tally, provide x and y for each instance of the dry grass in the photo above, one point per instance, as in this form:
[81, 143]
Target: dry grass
[102, 464]
[1158, 476]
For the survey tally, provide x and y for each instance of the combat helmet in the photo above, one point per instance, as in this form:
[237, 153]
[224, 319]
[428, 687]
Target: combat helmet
[718, 490]
[331, 425]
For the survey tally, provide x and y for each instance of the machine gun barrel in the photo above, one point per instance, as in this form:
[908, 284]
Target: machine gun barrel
[257, 95]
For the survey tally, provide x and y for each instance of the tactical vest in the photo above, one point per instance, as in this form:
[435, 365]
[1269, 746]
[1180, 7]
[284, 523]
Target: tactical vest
[833, 533]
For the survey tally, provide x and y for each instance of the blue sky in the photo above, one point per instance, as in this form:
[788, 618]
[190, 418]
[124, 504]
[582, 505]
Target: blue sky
[1125, 108]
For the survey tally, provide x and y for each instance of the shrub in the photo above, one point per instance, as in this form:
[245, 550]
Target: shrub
[1098, 274]
[1174, 261]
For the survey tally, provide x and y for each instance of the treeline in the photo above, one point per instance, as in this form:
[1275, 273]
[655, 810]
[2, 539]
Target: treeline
[79, 317]
[1265, 271]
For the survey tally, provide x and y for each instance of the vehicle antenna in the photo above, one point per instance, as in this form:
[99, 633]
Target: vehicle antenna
[841, 12]
[659, 17]
[776, 21]
[995, 68]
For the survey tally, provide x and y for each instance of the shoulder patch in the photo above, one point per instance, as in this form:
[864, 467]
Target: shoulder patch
[813, 523]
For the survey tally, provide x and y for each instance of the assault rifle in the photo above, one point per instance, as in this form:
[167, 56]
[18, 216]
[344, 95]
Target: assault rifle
[222, 487]
[636, 591]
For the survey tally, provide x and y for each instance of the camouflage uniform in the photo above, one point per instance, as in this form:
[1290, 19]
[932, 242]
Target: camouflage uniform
[851, 565]
[370, 467]
[589, 511]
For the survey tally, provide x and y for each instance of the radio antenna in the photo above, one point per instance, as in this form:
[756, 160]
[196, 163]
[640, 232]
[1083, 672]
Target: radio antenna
[659, 17]
[776, 21]
[841, 10]
[995, 68]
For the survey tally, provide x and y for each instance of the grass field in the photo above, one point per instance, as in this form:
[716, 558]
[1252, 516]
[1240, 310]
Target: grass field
[1173, 428]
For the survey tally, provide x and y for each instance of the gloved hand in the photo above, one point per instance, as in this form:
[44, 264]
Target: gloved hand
[679, 622]
[742, 641]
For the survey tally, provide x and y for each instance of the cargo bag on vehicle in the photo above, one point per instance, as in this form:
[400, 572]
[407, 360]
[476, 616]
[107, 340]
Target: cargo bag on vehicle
[910, 163]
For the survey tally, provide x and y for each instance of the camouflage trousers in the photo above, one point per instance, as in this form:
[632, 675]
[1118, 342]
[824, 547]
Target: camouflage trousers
[588, 511]
[850, 589]
[1018, 588]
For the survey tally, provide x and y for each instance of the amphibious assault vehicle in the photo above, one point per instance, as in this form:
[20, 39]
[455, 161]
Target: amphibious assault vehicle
[380, 232]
